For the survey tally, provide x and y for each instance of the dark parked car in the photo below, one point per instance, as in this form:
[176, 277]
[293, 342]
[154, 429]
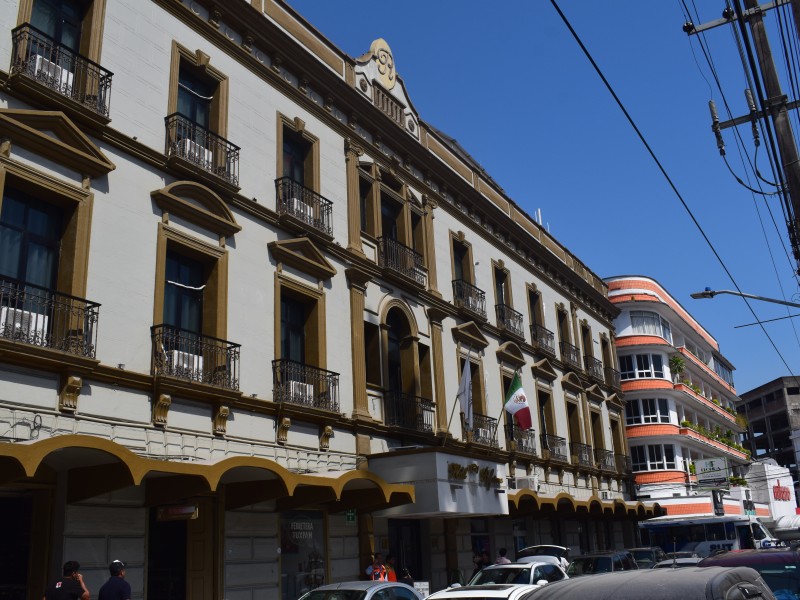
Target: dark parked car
[601, 562]
[647, 558]
[780, 568]
[693, 583]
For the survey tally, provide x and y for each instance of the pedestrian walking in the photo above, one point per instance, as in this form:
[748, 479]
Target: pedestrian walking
[70, 586]
[116, 588]
[391, 573]
[376, 571]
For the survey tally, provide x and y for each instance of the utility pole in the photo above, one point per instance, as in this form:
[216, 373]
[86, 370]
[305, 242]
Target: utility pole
[773, 103]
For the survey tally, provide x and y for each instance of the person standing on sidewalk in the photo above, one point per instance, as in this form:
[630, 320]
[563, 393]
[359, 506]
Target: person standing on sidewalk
[116, 588]
[70, 586]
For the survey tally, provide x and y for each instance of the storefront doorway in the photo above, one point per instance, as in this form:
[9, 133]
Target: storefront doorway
[166, 558]
[14, 554]
[405, 544]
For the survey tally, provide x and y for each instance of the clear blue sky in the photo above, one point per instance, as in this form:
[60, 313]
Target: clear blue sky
[508, 81]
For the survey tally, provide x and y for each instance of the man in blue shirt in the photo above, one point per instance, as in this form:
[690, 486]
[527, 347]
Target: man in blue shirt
[116, 588]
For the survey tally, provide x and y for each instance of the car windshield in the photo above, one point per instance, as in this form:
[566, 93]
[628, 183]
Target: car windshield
[783, 580]
[586, 565]
[519, 574]
[643, 557]
[335, 595]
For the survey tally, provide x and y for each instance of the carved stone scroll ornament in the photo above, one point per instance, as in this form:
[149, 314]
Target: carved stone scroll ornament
[283, 429]
[325, 437]
[68, 398]
[221, 420]
[161, 409]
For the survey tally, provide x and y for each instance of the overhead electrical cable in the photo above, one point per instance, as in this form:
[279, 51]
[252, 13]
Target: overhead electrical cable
[663, 172]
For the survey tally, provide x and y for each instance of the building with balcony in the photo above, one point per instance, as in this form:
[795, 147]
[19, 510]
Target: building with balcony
[772, 411]
[239, 296]
[680, 401]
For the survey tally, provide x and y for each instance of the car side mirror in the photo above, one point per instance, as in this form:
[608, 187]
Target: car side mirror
[542, 582]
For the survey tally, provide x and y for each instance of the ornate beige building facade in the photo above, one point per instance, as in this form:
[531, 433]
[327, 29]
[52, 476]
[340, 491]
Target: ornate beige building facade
[239, 289]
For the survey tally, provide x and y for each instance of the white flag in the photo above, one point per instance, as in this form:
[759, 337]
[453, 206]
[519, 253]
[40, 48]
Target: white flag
[465, 394]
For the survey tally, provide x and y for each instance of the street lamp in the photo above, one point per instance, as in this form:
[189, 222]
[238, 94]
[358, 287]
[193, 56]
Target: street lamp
[709, 293]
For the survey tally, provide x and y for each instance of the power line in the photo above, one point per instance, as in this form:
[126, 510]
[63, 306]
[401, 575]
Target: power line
[663, 171]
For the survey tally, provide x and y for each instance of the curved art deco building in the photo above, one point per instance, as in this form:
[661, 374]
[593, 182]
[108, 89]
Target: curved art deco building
[679, 395]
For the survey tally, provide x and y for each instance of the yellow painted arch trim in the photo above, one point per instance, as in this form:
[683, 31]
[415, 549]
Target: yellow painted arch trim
[31, 455]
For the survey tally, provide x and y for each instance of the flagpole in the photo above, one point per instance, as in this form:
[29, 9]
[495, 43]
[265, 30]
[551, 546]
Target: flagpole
[452, 412]
[456, 403]
[503, 409]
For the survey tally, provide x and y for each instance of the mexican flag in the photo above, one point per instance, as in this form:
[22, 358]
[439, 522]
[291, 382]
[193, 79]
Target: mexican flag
[517, 403]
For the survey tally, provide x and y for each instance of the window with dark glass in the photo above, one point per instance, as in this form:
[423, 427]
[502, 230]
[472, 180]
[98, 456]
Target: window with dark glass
[195, 95]
[293, 329]
[60, 20]
[183, 292]
[535, 308]
[296, 154]
[460, 257]
[372, 354]
[394, 362]
[500, 281]
[30, 239]
[391, 213]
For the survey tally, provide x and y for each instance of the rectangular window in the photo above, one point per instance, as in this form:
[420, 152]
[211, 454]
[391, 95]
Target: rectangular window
[638, 458]
[632, 413]
[645, 323]
[643, 368]
[372, 353]
[626, 370]
[183, 292]
[293, 334]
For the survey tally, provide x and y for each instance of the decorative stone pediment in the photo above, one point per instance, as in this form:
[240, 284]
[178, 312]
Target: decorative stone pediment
[510, 352]
[470, 334]
[198, 204]
[570, 381]
[616, 400]
[545, 370]
[54, 136]
[595, 394]
[303, 255]
[376, 77]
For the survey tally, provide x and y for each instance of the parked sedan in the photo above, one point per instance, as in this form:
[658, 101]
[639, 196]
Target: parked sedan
[539, 573]
[780, 568]
[601, 562]
[484, 592]
[545, 552]
[363, 590]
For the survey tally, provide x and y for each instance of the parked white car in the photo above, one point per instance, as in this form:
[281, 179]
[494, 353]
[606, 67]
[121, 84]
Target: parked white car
[535, 573]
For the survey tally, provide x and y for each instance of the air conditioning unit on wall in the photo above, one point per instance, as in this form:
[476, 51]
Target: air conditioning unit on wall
[22, 324]
[301, 393]
[52, 73]
[194, 152]
[298, 208]
[187, 363]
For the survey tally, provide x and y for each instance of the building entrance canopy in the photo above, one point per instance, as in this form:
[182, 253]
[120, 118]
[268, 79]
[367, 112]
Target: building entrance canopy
[446, 484]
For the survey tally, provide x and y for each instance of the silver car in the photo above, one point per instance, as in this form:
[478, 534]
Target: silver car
[363, 590]
[536, 573]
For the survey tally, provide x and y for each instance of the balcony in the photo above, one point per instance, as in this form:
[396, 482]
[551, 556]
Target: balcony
[524, 440]
[484, 430]
[303, 385]
[613, 378]
[594, 367]
[195, 358]
[509, 320]
[396, 257]
[570, 354]
[470, 298]
[555, 447]
[203, 149]
[543, 339]
[296, 200]
[581, 454]
[40, 58]
[407, 411]
[624, 463]
[605, 459]
[38, 316]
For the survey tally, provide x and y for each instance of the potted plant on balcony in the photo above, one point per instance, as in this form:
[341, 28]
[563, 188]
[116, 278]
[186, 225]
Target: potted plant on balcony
[676, 367]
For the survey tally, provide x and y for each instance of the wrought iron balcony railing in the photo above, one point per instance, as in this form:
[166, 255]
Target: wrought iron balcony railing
[39, 57]
[581, 454]
[594, 367]
[201, 147]
[408, 411]
[605, 459]
[543, 339]
[399, 258]
[612, 377]
[38, 316]
[295, 199]
[556, 447]
[193, 357]
[570, 354]
[297, 383]
[484, 430]
[509, 319]
[524, 439]
[624, 463]
[467, 296]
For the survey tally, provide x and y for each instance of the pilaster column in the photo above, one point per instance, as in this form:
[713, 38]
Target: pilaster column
[430, 247]
[357, 280]
[352, 152]
[435, 317]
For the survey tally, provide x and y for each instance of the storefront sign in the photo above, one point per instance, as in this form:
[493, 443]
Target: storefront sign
[711, 472]
[781, 492]
[461, 472]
